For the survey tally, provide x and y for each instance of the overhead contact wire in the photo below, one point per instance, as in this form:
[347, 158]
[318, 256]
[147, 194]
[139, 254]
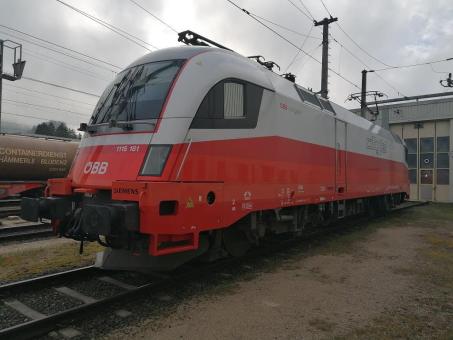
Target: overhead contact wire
[110, 27]
[61, 46]
[300, 10]
[45, 107]
[286, 28]
[59, 52]
[48, 94]
[60, 86]
[356, 57]
[154, 16]
[298, 51]
[290, 42]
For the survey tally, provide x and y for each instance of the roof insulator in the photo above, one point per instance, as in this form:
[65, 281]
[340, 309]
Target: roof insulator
[289, 76]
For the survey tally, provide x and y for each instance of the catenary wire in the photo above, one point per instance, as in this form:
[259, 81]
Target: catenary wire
[414, 65]
[109, 26]
[18, 102]
[353, 41]
[300, 10]
[364, 64]
[311, 52]
[61, 46]
[284, 27]
[298, 51]
[59, 52]
[436, 71]
[60, 86]
[61, 63]
[387, 66]
[29, 116]
[48, 94]
[356, 57]
[290, 42]
[308, 11]
[38, 97]
[154, 16]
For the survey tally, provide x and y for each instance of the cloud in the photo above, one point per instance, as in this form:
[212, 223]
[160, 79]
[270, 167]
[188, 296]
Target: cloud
[395, 32]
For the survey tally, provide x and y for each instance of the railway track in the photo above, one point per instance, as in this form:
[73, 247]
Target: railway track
[10, 202]
[72, 285]
[11, 210]
[25, 231]
[65, 284]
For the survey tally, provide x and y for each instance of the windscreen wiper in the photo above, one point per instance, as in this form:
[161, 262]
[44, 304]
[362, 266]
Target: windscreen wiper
[84, 127]
[128, 125]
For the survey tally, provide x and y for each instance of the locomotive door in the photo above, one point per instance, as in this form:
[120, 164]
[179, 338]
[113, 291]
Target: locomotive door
[340, 156]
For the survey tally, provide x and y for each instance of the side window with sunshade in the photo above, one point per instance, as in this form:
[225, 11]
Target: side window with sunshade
[229, 104]
[233, 104]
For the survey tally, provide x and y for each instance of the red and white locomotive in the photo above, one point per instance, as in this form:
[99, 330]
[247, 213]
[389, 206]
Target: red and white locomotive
[199, 151]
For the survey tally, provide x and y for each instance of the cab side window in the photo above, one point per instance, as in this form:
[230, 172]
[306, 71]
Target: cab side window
[230, 104]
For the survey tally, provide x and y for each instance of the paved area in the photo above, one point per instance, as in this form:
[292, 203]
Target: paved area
[345, 288]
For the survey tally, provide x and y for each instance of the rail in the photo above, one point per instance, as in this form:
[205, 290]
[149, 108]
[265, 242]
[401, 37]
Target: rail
[25, 232]
[40, 323]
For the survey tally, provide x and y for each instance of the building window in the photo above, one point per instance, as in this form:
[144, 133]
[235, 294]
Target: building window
[426, 160]
[412, 160]
[443, 160]
[426, 144]
[233, 104]
[426, 176]
[443, 176]
[411, 144]
[413, 176]
[443, 144]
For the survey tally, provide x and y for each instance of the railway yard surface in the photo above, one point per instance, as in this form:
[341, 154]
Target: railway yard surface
[387, 278]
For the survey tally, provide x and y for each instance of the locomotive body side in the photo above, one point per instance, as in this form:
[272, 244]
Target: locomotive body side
[233, 144]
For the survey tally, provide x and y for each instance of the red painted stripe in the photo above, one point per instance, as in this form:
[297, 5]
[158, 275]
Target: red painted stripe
[260, 162]
[276, 160]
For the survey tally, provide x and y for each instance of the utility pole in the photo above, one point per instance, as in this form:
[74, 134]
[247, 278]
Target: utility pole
[18, 67]
[325, 53]
[363, 96]
[364, 93]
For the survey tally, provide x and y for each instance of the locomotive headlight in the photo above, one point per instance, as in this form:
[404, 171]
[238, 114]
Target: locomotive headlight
[155, 160]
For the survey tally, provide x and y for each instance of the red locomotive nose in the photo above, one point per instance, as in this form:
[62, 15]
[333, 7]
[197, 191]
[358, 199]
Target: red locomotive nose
[99, 165]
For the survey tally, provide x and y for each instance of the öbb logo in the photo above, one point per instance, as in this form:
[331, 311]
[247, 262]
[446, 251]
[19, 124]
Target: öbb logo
[99, 168]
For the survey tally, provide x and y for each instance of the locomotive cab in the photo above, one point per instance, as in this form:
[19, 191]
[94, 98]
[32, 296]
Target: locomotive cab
[129, 187]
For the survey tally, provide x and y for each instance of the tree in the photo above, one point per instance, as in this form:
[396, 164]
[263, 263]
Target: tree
[46, 129]
[57, 129]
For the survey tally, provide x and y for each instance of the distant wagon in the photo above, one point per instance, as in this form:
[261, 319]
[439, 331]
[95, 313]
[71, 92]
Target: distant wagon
[27, 162]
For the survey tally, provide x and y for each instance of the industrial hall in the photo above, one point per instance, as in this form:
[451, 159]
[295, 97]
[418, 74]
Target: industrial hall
[426, 126]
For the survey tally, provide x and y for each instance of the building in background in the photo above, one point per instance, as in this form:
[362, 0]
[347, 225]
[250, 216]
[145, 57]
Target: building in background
[427, 128]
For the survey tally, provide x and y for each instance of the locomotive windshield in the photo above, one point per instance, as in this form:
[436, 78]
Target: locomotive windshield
[137, 93]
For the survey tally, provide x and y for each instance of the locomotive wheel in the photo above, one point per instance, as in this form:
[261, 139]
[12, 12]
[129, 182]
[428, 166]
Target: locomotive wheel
[235, 241]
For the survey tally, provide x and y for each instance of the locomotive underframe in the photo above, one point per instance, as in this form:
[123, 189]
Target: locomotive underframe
[137, 239]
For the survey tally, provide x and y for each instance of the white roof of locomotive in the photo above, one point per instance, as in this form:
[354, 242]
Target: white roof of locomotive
[262, 76]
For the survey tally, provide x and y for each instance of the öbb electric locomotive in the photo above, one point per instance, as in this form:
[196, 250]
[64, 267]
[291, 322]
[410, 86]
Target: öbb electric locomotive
[197, 151]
